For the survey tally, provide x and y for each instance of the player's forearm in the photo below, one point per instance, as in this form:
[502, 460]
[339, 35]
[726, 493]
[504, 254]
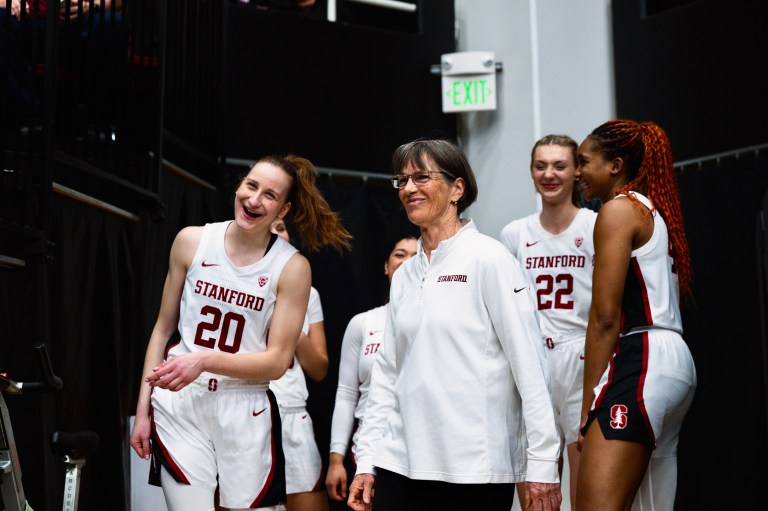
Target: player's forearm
[315, 365]
[601, 340]
[152, 358]
[263, 366]
[313, 359]
[143, 406]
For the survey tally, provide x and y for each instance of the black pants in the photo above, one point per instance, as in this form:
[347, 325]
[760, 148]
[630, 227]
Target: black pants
[394, 492]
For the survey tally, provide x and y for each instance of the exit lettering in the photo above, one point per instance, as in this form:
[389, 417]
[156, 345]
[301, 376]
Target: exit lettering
[466, 93]
[469, 92]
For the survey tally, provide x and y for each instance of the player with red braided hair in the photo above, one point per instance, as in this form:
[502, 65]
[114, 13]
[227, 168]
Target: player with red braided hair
[639, 375]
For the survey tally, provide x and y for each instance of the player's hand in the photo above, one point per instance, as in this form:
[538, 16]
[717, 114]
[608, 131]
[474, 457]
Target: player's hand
[361, 492]
[71, 13]
[140, 437]
[580, 438]
[542, 496]
[178, 372]
[336, 479]
[16, 8]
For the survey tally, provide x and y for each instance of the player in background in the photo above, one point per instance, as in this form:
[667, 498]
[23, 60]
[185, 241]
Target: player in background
[554, 247]
[303, 464]
[362, 341]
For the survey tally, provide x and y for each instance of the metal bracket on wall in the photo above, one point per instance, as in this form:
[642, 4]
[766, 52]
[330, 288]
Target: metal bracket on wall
[388, 4]
[437, 69]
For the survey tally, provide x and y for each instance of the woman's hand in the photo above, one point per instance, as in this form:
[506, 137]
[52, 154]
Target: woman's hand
[140, 437]
[542, 496]
[580, 439]
[178, 372]
[336, 479]
[361, 492]
[16, 8]
[86, 7]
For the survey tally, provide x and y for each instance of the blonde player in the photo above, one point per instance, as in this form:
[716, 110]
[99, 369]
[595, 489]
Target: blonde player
[554, 247]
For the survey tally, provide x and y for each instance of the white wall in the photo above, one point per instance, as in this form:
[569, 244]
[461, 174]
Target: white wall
[557, 78]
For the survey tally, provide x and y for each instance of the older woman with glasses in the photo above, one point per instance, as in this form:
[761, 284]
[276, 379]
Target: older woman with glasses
[459, 407]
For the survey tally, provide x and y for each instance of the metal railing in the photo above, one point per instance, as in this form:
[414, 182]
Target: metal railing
[386, 4]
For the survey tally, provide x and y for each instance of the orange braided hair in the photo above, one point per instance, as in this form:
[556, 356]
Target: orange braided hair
[647, 155]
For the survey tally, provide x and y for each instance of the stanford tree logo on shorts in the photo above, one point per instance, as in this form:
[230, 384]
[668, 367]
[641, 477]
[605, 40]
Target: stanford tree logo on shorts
[618, 416]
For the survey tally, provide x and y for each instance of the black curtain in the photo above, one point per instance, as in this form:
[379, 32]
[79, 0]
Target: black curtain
[726, 426]
[94, 283]
[104, 285]
[20, 290]
[91, 280]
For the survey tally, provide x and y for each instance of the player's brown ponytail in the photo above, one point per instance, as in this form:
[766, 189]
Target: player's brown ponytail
[317, 224]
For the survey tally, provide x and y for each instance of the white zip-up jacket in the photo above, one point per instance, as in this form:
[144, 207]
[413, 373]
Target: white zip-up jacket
[460, 388]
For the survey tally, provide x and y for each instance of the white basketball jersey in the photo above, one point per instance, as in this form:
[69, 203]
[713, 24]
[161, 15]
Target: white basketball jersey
[225, 307]
[291, 389]
[559, 269]
[651, 295]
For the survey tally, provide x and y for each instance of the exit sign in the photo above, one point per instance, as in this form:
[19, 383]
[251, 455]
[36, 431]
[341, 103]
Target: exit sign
[473, 92]
[469, 81]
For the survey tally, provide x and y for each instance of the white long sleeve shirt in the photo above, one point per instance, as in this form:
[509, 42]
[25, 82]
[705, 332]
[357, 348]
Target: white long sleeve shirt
[461, 377]
[361, 343]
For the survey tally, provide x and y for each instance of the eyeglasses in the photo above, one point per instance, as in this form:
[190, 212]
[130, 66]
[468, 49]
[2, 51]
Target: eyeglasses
[419, 178]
